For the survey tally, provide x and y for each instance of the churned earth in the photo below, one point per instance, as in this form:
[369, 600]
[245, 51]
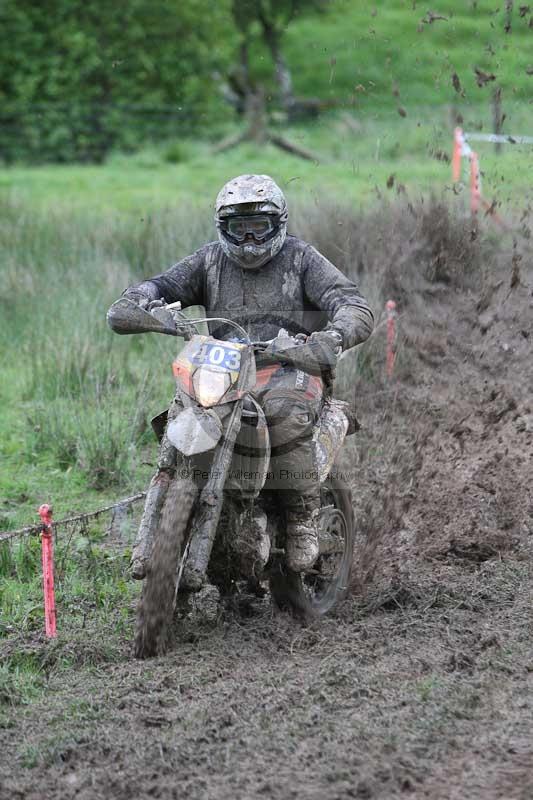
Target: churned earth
[421, 685]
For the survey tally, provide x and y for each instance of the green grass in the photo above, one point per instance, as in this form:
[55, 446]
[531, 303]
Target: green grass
[355, 162]
[358, 51]
[20, 683]
[75, 405]
[94, 607]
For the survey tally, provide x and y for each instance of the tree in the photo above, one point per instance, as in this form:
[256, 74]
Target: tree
[272, 17]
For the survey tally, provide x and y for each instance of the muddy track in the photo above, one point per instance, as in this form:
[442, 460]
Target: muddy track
[421, 686]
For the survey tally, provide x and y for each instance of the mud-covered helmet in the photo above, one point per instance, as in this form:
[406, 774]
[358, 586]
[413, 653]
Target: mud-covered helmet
[251, 219]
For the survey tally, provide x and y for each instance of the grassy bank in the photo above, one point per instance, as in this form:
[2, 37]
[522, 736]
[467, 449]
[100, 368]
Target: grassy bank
[360, 160]
[380, 55]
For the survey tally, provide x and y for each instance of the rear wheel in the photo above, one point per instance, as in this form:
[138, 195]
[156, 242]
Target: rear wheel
[158, 597]
[315, 592]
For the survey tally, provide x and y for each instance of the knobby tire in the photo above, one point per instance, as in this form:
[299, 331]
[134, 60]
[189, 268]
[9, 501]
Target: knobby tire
[158, 597]
[287, 587]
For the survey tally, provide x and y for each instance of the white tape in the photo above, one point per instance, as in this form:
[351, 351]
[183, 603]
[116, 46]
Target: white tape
[497, 139]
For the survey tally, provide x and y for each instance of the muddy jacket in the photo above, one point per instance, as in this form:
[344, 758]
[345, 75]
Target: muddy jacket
[298, 289]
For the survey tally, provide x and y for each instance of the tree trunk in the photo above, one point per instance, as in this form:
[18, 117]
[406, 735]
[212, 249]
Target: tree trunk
[272, 39]
[256, 116]
[256, 119]
[244, 70]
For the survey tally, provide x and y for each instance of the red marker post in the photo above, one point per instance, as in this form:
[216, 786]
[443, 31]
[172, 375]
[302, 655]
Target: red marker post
[391, 336]
[457, 153]
[47, 543]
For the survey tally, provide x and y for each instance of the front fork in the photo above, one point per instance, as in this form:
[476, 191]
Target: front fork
[155, 497]
[206, 515]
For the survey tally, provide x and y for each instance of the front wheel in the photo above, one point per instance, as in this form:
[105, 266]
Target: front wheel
[315, 592]
[158, 597]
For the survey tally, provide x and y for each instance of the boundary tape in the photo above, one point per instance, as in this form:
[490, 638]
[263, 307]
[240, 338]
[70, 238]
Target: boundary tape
[461, 149]
[37, 528]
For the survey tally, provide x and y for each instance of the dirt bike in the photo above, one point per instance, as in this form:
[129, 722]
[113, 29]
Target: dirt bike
[201, 520]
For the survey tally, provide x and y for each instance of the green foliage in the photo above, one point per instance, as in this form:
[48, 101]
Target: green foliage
[81, 78]
[175, 152]
[276, 14]
[261, 26]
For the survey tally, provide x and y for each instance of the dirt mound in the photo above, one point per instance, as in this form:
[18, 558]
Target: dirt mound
[421, 686]
[455, 428]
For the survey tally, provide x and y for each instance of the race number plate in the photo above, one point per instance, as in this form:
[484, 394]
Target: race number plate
[219, 355]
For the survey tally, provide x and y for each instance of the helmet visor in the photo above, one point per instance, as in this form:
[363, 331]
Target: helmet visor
[258, 226]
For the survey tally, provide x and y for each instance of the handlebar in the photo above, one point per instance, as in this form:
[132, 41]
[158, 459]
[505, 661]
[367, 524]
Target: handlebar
[127, 317]
[293, 352]
[183, 322]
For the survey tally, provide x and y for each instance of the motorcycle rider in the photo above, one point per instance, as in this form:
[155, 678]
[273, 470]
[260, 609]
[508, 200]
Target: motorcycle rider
[266, 280]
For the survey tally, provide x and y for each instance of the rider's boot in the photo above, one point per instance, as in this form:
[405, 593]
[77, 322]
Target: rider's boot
[301, 550]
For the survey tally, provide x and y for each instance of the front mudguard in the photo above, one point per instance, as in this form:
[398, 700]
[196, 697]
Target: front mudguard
[195, 430]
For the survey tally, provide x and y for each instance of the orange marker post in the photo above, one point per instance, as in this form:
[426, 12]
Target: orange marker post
[47, 543]
[457, 153]
[391, 336]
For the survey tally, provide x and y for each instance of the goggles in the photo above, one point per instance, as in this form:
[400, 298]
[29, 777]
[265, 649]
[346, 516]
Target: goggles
[258, 226]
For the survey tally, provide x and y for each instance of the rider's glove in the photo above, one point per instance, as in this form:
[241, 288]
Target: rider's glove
[329, 341]
[317, 356]
[137, 297]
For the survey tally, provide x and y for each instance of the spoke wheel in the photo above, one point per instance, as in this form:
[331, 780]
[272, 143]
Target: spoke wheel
[316, 592]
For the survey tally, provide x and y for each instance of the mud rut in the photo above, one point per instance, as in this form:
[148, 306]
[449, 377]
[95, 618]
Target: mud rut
[421, 686]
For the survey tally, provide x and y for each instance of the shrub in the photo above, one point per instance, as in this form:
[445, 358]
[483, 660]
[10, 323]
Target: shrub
[78, 82]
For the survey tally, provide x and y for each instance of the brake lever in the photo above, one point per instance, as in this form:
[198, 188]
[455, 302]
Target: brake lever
[155, 304]
[162, 311]
[299, 338]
